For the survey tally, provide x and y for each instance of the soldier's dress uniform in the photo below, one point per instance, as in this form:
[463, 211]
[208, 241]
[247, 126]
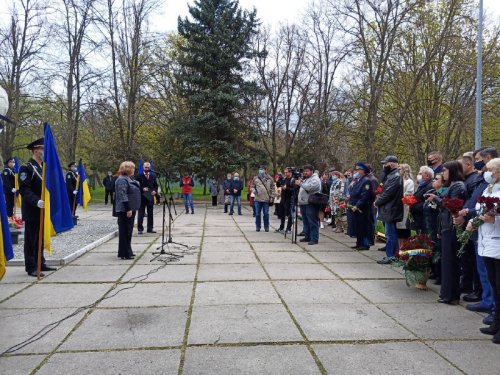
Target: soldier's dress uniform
[9, 183]
[30, 187]
[71, 187]
[362, 196]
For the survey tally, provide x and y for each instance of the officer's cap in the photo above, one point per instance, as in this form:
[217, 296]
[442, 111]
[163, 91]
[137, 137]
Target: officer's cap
[71, 164]
[35, 144]
[362, 166]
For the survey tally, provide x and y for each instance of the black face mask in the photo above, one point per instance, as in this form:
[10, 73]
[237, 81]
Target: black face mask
[430, 163]
[387, 169]
[479, 165]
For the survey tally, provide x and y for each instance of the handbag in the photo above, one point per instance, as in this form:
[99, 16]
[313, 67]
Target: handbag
[227, 199]
[271, 198]
[318, 199]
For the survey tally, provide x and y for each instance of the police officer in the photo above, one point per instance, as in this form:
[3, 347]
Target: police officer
[9, 186]
[361, 199]
[30, 186]
[71, 187]
[149, 188]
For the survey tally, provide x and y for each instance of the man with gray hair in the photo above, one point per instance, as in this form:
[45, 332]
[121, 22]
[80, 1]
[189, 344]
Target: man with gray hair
[149, 188]
[309, 184]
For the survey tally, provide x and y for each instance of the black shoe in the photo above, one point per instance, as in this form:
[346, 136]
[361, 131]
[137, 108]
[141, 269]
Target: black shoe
[362, 248]
[47, 268]
[187, 211]
[192, 212]
[448, 301]
[354, 247]
[312, 243]
[257, 230]
[432, 276]
[304, 240]
[478, 307]
[489, 320]
[301, 234]
[472, 297]
[279, 231]
[437, 281]
[33, 274]
[266, 229]
[385, 260]
[139, 232]
[381, 248]
[491, 330]
[151, 231]
[496, 338]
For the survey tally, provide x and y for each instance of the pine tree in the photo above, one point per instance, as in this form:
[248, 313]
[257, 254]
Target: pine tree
[216, 45]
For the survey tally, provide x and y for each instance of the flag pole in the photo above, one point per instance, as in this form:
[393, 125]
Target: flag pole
[75, 198]
[40, 231]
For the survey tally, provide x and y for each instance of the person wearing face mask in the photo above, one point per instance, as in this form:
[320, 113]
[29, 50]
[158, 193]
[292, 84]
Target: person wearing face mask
[361, 199]
[390, 206]
[435, 161]
[214, 191]
[226, 186]
[484, 301]
[9, 186]
[30, 187]
[235, 189]
[489, 244]
[109, 187]
[264, 189]
[310, 184]
[149, 190]
[71, 187]
[424, 184]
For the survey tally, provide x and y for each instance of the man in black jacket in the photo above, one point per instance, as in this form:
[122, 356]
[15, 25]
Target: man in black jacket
[9, 186]
[235, 188]
[149, 188]
[287, 192]
[109, 187]
[71, 185]
[390, 206]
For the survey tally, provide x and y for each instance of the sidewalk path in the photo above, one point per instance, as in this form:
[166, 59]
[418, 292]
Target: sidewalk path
[241, 302]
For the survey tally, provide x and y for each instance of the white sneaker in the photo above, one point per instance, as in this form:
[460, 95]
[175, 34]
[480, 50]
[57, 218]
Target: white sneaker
[322, 226]
[328, 221]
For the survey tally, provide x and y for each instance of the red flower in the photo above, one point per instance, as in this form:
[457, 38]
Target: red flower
[409, 200]
[378, 190]
[453, 205]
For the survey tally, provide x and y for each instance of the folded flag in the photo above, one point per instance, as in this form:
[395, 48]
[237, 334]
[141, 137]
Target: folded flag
[57, 216]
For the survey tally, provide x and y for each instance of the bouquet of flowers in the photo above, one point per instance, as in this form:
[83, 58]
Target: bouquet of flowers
[15, 222]
[487, 205]
[341, 208]
[379, 188]
[409, 200]
[453, 205]
[415, 256]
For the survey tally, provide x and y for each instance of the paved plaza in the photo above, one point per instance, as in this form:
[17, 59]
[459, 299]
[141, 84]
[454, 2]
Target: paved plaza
[238, 302]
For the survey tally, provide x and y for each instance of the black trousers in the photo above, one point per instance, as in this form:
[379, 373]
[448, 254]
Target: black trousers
[31, 234]
[111, 194]
[450, 266]
[214, 200]
[493, 269]
[125, 229]
[469, 279]
[140, 216]
[9, 203]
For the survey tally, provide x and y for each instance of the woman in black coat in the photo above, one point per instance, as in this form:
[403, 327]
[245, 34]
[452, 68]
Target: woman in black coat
[127, 202]
[424, 180]
[450, 266]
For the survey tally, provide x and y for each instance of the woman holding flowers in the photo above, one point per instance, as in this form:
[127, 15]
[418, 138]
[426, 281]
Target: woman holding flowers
[489, 239]
[403, 227]
[455, 193]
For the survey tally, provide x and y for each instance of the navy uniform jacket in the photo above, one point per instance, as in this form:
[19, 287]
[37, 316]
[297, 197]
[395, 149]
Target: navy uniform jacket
[150, 183]
[71, 183]
[362, 195]
[30, 187]
[9, 180]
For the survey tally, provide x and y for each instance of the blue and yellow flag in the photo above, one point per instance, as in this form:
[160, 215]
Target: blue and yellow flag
[140, 169]
[6, 251]
[17, 166]
[57, 216]
[83, 187]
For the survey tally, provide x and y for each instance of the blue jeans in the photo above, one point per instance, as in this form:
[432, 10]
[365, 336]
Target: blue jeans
[391, 237]
[487, 296]
[264, 207]
[188, 200]
[311, 221]
[236, 199]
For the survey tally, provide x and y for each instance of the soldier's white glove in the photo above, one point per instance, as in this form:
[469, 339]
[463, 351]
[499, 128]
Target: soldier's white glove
[13, 190]
[40, 204]
[75, 192]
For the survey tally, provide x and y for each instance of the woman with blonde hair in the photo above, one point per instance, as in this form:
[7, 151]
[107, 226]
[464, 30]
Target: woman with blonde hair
[403, 227]
[127, 202]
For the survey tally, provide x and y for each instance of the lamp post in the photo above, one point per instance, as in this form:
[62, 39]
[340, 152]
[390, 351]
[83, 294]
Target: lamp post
[479, 77]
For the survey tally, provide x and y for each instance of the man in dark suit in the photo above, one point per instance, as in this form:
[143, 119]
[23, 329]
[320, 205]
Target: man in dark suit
[149, 189]
[9, 186]
[109, 187]
[30, 186]
[71, 185]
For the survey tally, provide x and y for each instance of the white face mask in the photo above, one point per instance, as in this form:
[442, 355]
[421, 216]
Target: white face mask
[419, 178]
[488, 177]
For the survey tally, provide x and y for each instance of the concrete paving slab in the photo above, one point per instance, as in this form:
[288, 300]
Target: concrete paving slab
[99, 259]
[111, 363]
[216, 272]
[85, 274]
[214, 257]
[437, 321]
[18, 325]
[364, 271]
[241, 323]
[16, 275]
[235, 292]
[340, 257]
[143, 327]
[7, 290]
[265, 237]
[391, 291]
[57, 295]
[472, 357]
[285, 257]
[172, 272]
[113, 248]
[381, 359]
[317, 291]
[20, 365]
[298, 271]
[223, 239]
[275, 246]
[229, 246]
[150, 294]
[347, 322]
[269, 359]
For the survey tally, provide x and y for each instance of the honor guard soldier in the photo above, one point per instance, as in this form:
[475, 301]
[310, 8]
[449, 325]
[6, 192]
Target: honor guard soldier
[71, 187]
[30, 186]
[9, 186]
